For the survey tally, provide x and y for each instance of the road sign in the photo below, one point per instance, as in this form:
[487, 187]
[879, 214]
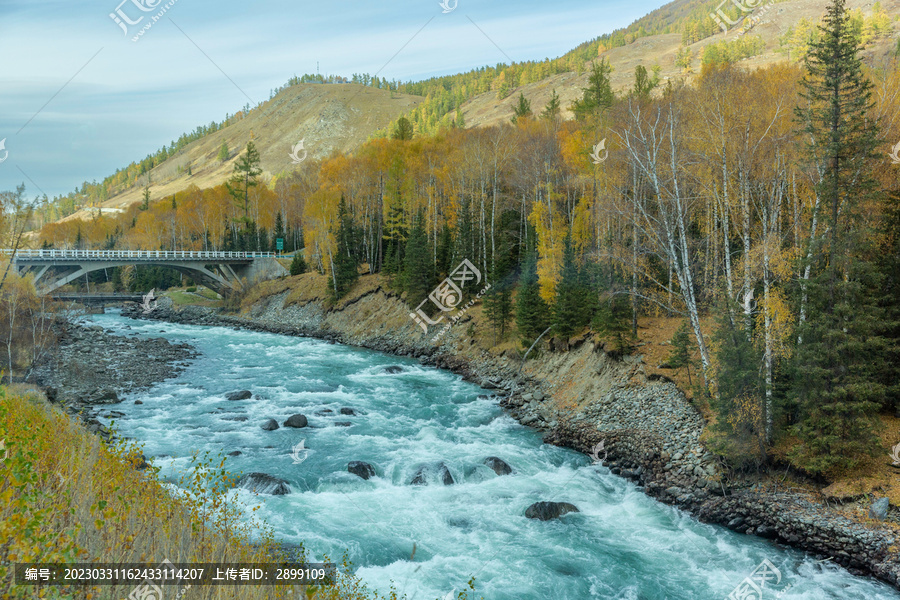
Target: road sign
[279, 243]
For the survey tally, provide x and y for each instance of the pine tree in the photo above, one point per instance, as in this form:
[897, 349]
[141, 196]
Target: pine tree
[643, 83]
[498, 306]
[680, 357]
[403, 130]
[278, 232]
[598, 95]
[840, 346]
[223, 152]
[552, 110]
[298, 264]
[418, 276]
[245, 176]
[345, 268]
[572, 309]
[532, 313]
[146, 199]
[522, 108]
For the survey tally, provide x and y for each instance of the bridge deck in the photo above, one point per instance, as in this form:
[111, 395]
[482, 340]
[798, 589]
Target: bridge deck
[56, 256]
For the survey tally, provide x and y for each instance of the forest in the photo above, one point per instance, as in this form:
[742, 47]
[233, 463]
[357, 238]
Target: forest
[759, 207]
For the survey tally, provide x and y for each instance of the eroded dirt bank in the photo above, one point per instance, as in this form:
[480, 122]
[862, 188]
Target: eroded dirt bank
[580, 396]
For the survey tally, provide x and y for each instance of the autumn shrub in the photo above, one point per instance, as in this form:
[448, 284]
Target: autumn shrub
[66, 496]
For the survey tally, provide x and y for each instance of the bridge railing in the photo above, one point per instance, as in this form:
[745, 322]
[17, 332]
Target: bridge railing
[54, 253]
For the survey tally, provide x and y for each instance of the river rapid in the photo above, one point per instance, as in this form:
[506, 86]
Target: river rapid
[621, 545]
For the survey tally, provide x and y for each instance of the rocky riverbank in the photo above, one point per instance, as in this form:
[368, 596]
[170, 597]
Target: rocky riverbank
[91, 366]
[592, 401]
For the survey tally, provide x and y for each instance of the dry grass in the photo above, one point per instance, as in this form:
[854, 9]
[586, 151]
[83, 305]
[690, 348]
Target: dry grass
[67, 497]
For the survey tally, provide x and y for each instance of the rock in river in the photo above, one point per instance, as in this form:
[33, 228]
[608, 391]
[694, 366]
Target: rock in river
[393, 369]
[264, 484]
[239, 395]
[360, 468]
[270, 425]
[296, 421]
[544, 511]
[498, 465]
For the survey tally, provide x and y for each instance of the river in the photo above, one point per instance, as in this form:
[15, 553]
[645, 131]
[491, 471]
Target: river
[622, 545]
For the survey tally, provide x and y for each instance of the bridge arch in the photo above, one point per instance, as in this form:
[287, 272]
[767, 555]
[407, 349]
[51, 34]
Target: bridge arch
[221, 271]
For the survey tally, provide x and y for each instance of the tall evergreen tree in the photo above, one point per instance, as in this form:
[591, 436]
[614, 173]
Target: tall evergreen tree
[418, 276]
[345, 268]
[403, 130]
[553, 109]
[245, 176]
[835, 360]
[522, 108]
[572, 309]
[278, 232]
[532, 312]
[598, 95]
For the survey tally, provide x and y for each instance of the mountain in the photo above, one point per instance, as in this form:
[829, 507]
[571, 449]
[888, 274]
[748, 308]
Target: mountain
[338, 117]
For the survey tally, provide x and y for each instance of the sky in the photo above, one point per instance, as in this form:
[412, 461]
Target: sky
[79, 98]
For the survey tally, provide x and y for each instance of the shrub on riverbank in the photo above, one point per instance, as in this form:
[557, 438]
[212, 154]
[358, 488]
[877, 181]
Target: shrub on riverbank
[67, 497]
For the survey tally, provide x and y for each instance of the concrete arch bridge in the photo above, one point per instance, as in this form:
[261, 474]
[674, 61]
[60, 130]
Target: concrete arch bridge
[222, 271]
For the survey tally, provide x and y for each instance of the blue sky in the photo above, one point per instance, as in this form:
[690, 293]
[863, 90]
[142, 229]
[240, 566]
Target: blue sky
[79, 99]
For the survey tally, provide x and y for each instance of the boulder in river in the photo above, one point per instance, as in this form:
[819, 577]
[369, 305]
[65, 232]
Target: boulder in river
[138, 402]
[235, 453]
[393, 369]
[544, 511]
[343, 424]
[296, 421]
[239, 395]
[361, 469]
[105, 396]
[879, 509]
[270, 425]
[420, 477]
[262, 483]
[498, 465]
[348, 411]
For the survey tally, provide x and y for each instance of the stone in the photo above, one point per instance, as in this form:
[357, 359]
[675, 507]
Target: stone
[361, 469]
[235, 453]
[138, 402]
[261, 483]
[106, 396]
[879, 509]
[545, 511]
[767, 532]
[348, 411]
[239, 395]
[498, 465]
[445, 475]
[343, 424]
[393, 369]
[270, 425]
[297, 421]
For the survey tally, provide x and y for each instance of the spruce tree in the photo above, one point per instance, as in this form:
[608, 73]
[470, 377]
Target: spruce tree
[298, 264]
[522, 108]
[403, 130]
[345, 268]
[572, 309]
[552, 110]
[418, 267]
[598, 95]
[245, 176]
[278, 232]
[532, 312]
[835, 362]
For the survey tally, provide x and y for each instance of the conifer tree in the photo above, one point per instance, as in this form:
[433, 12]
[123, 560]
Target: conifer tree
[598, 95]
[223, 152]
[573, 307]
[345, 268]
[245, 176]
[552, 110]
[522, 108]
[532, 312]
[418, 267]
[298, 264]
[839, 347]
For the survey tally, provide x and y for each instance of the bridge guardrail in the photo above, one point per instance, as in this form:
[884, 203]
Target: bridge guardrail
[54, 253]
